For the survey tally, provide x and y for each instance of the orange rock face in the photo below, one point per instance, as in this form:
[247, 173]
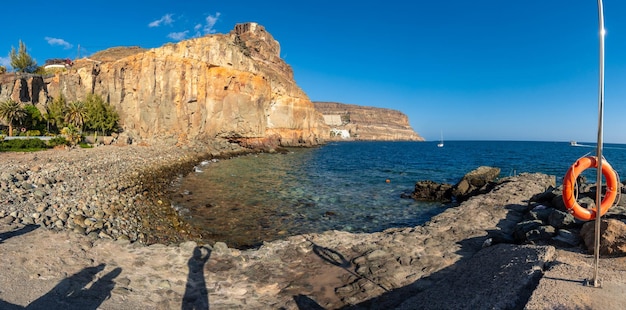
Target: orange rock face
[232, 86]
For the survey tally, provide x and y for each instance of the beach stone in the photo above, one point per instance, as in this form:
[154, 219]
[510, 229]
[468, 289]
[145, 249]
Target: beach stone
[541, 233]
[188, 246]
[79, 230]
[63, 215]
[612, 239]
[541, 213]
[5, 176]
[7, 219]
[522, 228]
[560, 219]
[59, 224]
[221, 248]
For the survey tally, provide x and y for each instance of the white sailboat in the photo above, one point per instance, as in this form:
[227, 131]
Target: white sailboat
[440, 144]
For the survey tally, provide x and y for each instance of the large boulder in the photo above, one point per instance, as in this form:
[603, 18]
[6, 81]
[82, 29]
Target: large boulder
[475, 182]
[612, 238]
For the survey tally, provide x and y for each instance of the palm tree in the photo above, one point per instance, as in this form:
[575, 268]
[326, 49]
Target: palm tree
[11, 111]
[76, 114]
[72, 134]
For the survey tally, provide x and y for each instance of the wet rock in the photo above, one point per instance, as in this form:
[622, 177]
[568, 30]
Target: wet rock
[431, 191]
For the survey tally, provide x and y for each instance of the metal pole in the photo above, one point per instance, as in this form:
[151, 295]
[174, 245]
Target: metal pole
[596, 282]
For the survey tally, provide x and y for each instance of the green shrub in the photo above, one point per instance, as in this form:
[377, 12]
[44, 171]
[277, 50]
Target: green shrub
[57, 141]
[85, 145]
[33, 133]
[24, 144]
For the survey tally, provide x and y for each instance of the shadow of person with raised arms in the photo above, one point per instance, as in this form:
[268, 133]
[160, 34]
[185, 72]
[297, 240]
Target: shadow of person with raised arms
[71, 293]
[196, 295]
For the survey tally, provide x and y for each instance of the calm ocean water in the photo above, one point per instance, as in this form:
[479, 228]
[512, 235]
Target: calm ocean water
[342, 186]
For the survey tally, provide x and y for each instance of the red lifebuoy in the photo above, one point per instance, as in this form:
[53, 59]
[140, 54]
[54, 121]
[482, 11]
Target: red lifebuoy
[569, 182]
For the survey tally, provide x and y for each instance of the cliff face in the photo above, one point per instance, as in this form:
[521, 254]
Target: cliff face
[232, 86]
[355, 122]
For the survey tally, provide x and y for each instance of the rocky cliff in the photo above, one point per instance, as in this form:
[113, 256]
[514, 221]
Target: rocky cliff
[348, 121]
[233, 86]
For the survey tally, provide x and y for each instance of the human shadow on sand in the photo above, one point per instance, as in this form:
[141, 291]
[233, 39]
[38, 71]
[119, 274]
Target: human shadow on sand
[17, 232]
[72, 292]
[196, 295]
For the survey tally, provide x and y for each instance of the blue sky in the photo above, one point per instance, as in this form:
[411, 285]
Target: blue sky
[474, 70]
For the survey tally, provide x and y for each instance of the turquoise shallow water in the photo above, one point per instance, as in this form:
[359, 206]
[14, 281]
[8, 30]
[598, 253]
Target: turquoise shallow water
[342, 186]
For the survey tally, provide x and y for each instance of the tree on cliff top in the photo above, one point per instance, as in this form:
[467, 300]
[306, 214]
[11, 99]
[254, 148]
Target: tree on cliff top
[11, 112]
[21, 60]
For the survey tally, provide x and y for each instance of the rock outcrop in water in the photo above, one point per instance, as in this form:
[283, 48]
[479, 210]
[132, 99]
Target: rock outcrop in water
[233, 86]
[475, 182]
[348, 121]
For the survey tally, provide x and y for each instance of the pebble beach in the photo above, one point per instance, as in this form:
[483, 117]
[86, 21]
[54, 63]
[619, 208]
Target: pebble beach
[84, 229]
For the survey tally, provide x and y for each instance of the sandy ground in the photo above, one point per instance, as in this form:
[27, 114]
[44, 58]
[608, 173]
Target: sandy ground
[568, 283]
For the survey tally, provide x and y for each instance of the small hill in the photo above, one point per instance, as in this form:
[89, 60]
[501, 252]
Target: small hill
[115, 53]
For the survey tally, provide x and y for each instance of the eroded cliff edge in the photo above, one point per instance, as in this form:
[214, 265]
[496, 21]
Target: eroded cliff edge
[354, 122]
[233, 86]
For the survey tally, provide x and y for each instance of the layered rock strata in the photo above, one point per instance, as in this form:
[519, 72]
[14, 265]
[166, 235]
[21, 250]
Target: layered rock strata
[353, 122]
[233, 86]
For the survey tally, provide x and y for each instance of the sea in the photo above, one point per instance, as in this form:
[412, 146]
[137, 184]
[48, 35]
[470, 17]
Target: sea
[351, 186]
